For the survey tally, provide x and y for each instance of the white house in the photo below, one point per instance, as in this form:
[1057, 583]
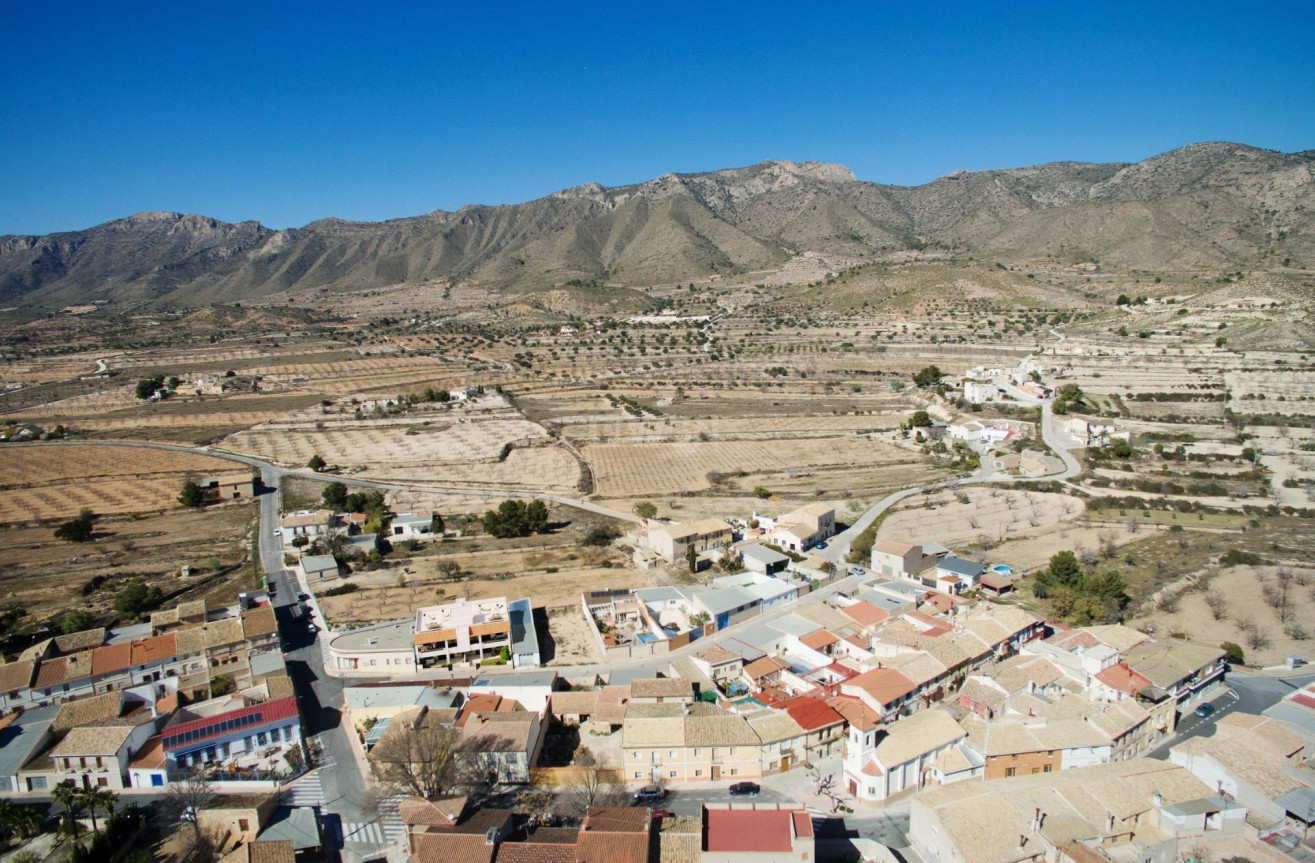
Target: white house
[925, 748]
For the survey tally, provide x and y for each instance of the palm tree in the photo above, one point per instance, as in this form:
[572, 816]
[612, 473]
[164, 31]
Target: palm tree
[7, 811]
[66, 795]
[106, 800]
[90, 798]
[25, 822]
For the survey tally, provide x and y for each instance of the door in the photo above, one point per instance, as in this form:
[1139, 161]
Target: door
[716, 772]
[785, 763]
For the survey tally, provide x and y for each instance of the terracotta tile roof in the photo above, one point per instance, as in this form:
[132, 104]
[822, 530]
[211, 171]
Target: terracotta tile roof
[223, 632]
[855, 712]
[762, 831]
[439, 812]
[452, 848]
[259, 622]
[615, 835]
[716, 655]
[16, 675]
[812, 714]
[763, 666]
[537, 852]
[612, 704]
[83, 640]
[864, 613]
[190, 641]
[818, 639]
[105, 740]
[984, 694]
[884, 685]
[111, 658]
[922, 733]
[661, 687]
[151, 755]
[52, 672]
[40, 650]
[890, 546]
[83, 711]
[1123, 679]
[725, 730]
[157, 649]
[573, 703]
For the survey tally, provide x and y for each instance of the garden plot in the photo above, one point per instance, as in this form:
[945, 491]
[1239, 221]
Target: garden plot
[661, 468]
[1280, 391]
[663, 428]
[58, 481]
[1247, 619]
[81, 406]
[977, 513]
[548, 469]
[379, 446]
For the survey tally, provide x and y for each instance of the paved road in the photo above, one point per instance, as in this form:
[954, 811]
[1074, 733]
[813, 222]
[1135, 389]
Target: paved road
[1250, 693]
[838, 547]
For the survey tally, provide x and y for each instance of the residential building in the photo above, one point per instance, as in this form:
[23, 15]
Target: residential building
[1139, 810]
[1254, 760]
[504, 744]
[761, 559]
[823, 727]
[804, 528]
[308, 524]
[675, 743]
[235, 731]
[319, 567]
[233, 486]
[1182, 670]
[719, 664]
[673, 542]
[531, 689]
[96, 756]
[757, 832]
[464, 631]
[884, 691]
[956, 575]
[900, 559]
[659, 690]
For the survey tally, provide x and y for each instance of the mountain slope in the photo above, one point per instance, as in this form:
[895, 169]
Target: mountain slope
[1207, 205]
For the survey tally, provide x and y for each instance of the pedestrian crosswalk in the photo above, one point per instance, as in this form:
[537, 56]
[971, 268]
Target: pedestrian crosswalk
[306, 791]
[382, 830]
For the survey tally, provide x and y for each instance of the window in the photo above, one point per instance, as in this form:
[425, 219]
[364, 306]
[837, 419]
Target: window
[638, 755]
[639, 774]
[734, 771]
[696, 753]
[103, 782]
[1009, 771]
[698, 772]
[672, 774]
[1046, 769]
[243, 824]
[157, 780]
[671, 753]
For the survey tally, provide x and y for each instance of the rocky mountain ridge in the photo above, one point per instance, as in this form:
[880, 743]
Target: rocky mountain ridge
[1209, 205]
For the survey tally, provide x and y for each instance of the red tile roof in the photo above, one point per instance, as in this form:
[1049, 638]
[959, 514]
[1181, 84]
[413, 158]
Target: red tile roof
[111, 658]
[885, 685]
[760, 830]
[865, 613]
[818, 640]
[811, 714]
[1123, 678]
[452, 848]
[156, 649]
[215, 726]
[485, 702]
[536, 852]
[803, 824]
[855, 712]
[1304, 700]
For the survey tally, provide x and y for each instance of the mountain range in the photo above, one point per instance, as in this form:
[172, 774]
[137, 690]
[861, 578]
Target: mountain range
[1211, 206]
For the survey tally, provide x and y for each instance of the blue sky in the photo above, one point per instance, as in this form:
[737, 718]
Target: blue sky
[287, 113]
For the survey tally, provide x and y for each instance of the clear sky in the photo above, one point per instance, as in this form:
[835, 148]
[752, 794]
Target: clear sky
[286, 113]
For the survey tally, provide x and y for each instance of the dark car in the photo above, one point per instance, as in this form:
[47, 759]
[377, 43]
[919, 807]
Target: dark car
[745, 789]
[302, 597]
[1204, 710]
[649, 794]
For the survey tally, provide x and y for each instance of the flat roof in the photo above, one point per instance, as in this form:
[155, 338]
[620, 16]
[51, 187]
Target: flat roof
[763, 554]
[300, 826]
[319, 563]
[524, 637]
[392, 636]
[518, 678]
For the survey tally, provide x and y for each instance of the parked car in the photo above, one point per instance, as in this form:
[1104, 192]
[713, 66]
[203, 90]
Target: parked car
[745, 789]
[1204, 710]
[857, 570]
[650, 793]
[312, 628]
[821, 545]
[661, 813]
[302, 597]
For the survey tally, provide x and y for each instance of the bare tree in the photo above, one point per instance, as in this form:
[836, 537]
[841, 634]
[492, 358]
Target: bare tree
[1296, 631]
[1167, 601]
[593, 783]
[183, 803]
[1245, 625]
[418, 755]
[1257, 639]
[1218, 605]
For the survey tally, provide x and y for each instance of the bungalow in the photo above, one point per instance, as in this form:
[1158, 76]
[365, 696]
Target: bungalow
[804, 528]
[318, 567]
[884, 691]
[718, 664]
[308, 524]
[956, 574]
[733, 834]
[406, 525]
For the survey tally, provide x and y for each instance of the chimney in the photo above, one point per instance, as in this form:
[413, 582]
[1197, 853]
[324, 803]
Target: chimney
[491, 837]
[1036, 819]
[1157, 800]
[1022, 841]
